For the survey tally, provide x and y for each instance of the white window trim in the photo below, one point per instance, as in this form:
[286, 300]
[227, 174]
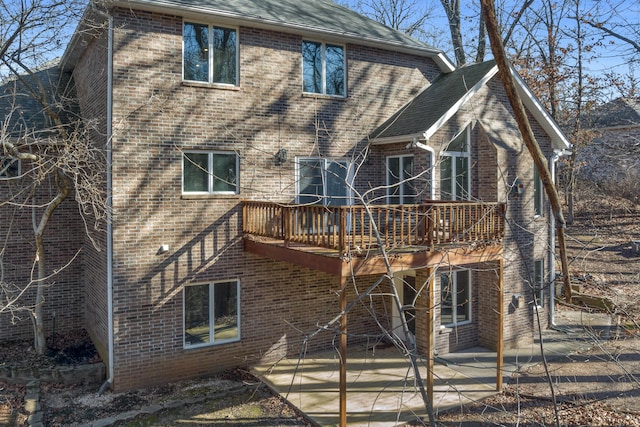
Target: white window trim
[454, 300]
[456, 154]
[210, 54]
[212, 341]
[324, 68]
[326, 161]
[402, 179]
[211, 153]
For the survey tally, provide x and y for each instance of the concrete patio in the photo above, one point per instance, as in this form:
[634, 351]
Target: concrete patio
[381, 386]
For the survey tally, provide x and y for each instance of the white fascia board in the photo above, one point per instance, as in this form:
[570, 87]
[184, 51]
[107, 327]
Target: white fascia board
[198, 12]
[558, 140]
[395, 139]
[455, 107]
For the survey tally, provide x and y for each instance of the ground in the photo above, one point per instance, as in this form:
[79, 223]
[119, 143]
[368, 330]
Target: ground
[600, 386]
[231, 398]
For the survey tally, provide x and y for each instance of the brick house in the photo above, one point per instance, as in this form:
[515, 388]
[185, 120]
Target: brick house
[244, 141]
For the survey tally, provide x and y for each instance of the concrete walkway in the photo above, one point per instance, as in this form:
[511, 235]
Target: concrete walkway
[381, 388]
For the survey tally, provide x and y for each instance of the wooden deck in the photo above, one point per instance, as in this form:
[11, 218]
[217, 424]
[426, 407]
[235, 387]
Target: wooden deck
[416, 235]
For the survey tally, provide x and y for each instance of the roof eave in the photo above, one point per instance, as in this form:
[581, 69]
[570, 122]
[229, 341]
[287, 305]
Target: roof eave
[558, 140]
[463, 100]
[397, 139]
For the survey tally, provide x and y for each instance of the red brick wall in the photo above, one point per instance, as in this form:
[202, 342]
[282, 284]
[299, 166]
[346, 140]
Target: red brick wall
[91, 85]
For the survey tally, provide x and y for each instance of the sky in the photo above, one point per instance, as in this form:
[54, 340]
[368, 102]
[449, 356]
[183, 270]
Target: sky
[608, 55]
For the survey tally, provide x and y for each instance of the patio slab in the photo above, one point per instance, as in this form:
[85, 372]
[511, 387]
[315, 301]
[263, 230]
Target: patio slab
[381, 387]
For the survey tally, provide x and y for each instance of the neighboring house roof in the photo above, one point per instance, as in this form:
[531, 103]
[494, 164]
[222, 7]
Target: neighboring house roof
[437, 103]
[23, 113]
[621, 112]
[320, 18]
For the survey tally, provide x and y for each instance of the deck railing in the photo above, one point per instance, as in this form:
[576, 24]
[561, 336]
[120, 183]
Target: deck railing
[353, 228]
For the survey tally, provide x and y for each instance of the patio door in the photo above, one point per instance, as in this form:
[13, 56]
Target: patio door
[405, 282]
[323, 182]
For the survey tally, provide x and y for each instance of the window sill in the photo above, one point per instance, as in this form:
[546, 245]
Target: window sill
[323, 96]
[209, 196]
[207, 345]
[221, 86]
[447, 329]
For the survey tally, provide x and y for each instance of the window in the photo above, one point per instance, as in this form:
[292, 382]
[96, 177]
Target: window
[323, 181]
[9, 167]
[211, 313]
[455, 297]
[210, 54]
[454, 169]
[323, 68]
[537, 192]
[210, 172]
[538, 282]
[400, 185]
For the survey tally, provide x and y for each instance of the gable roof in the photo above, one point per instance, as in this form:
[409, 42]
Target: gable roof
[621, 112]
[319, 18]
[436, 104]
[433, 105]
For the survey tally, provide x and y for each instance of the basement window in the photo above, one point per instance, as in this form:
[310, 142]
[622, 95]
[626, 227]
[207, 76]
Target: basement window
[455, 298]
[211, 313]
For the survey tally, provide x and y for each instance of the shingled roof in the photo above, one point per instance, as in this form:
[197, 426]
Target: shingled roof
[435, 102]
[617, 113]
[24, 114]
[319, 17]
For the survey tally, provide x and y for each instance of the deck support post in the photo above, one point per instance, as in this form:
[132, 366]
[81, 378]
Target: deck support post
[343, 352]
[500, 308]
[430, 332]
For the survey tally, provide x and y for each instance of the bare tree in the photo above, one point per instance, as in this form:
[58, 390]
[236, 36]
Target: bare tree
[44, 135]
[614, 19]
[412, 17]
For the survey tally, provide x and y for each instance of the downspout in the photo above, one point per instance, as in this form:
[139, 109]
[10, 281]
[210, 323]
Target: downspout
[416, 144]
[109, 131]
[552, 241]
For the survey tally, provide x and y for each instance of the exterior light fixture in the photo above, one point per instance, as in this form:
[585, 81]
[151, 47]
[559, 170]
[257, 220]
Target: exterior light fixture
[280, 157]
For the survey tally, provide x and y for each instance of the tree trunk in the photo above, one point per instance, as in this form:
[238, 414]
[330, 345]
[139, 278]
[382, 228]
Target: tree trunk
[529, 139]
[63, 185]
[452, 9]
[39, 340]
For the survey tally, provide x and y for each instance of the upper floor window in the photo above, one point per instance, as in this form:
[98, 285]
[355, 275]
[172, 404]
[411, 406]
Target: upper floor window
[323, 68]
[454, 169]
[210, 172]
[400, 184]
[9, 167]
[537, 192]
[210, 54]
